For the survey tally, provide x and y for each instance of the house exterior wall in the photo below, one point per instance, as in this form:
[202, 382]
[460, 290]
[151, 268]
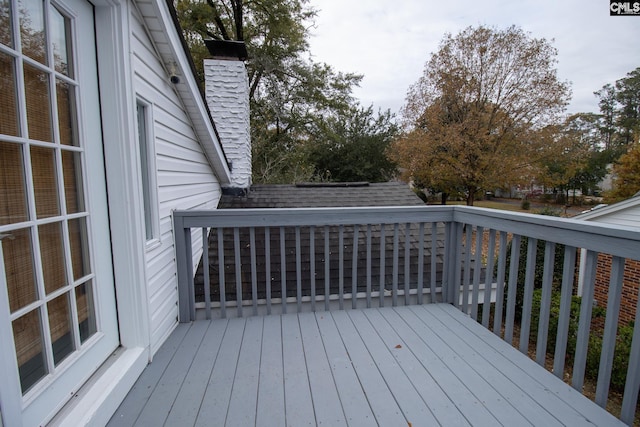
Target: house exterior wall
[630, 285]
[626, 213]
[185, 179]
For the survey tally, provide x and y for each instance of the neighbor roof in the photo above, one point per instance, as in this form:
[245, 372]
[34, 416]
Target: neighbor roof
[359, 194]
[312, 195]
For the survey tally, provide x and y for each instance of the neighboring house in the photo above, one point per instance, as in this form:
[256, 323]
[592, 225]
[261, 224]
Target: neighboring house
[341, 266]
[625, 213]
[103, 133]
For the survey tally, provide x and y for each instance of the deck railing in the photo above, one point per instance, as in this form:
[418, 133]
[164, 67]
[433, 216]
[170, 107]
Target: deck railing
[488, 263]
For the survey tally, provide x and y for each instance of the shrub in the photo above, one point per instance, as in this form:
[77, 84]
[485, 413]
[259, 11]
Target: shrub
[539, 270]
[620, 357]
[525, 204]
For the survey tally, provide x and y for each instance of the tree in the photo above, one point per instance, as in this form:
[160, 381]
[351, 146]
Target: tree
[353, 146]
[583, 162]
[620, 112]
[289, 92]
[627, 175]
[473, 120]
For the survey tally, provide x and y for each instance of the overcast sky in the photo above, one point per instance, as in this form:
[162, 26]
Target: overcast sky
[389, 41]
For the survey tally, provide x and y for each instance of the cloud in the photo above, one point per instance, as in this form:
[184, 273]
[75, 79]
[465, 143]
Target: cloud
[389, 42]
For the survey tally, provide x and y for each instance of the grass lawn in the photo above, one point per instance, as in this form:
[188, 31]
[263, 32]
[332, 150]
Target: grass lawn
[494, 205]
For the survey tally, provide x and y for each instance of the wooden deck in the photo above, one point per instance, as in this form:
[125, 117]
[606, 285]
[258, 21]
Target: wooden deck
[394, 366]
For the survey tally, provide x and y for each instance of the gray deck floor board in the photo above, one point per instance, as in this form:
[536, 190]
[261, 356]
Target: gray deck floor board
[187, 404]
[270, 409]
[407, 365]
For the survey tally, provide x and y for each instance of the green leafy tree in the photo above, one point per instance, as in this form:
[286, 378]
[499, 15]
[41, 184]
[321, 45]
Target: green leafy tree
[289, 92]
[473, 120]
[353, 146]
[620, 112]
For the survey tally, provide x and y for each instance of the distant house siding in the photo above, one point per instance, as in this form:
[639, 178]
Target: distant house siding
[185, 180]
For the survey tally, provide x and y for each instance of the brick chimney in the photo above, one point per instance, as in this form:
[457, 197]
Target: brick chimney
[227, 94]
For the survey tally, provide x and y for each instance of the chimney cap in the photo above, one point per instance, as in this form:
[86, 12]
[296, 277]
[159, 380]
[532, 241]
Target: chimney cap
[227, 49]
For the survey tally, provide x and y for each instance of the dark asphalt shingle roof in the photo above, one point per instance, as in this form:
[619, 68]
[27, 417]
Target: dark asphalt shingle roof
[309, 196]
[314, 195]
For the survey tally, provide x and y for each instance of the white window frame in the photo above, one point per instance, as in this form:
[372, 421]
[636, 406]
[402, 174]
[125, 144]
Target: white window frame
[148, 177]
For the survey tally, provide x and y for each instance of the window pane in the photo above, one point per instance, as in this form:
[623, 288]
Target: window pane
[5, 22]
[79, 248]
[144, 170]
[52, 255]
[72, 171]
[32, 29]
[66, 113]
[86, 311]
[60, 327]
[13, 202]
[43, 166]
[60, 33]
[9, 115]
[27, 334]
[36, 84]
[18, 265]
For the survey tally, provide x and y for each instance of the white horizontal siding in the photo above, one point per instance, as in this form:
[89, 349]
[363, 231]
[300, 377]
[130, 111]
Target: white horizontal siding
[184, 177]
[629, 217]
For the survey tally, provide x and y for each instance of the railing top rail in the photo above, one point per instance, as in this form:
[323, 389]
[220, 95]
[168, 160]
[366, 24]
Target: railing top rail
[607, 238]
[314, 216]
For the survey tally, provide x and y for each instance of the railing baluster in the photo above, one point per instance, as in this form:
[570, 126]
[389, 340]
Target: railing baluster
[568, 274]
[434, 262]
[545, 303]
[488, 283]
[254, 272]
[369, 249]
[205, 273]
[456, 236]
[466, 277]
[312, 265]
[525, 325]
[512, 288]
[354, 268]
[584, 324]
[632, 383]
[341, 267]
[502, 266]
[238, 268]
[298, 271]
[283, 271]
[267, 266]
[383, 259]
[447, 295]
[327, 268]
[407, 258]
[221, 275]
[394, 285]
[477, 269]
[420, 262]
[610, 329]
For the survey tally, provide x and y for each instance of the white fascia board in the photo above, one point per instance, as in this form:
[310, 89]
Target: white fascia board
[188, 90]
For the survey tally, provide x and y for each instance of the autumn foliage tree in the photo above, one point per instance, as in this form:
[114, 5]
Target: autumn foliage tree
[475, 119]
[627, 175]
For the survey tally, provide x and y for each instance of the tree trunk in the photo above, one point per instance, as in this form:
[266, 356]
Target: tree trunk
[471, 195]
[443, 199]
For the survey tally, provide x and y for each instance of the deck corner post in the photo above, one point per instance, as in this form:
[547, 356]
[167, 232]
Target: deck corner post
[186, 304]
